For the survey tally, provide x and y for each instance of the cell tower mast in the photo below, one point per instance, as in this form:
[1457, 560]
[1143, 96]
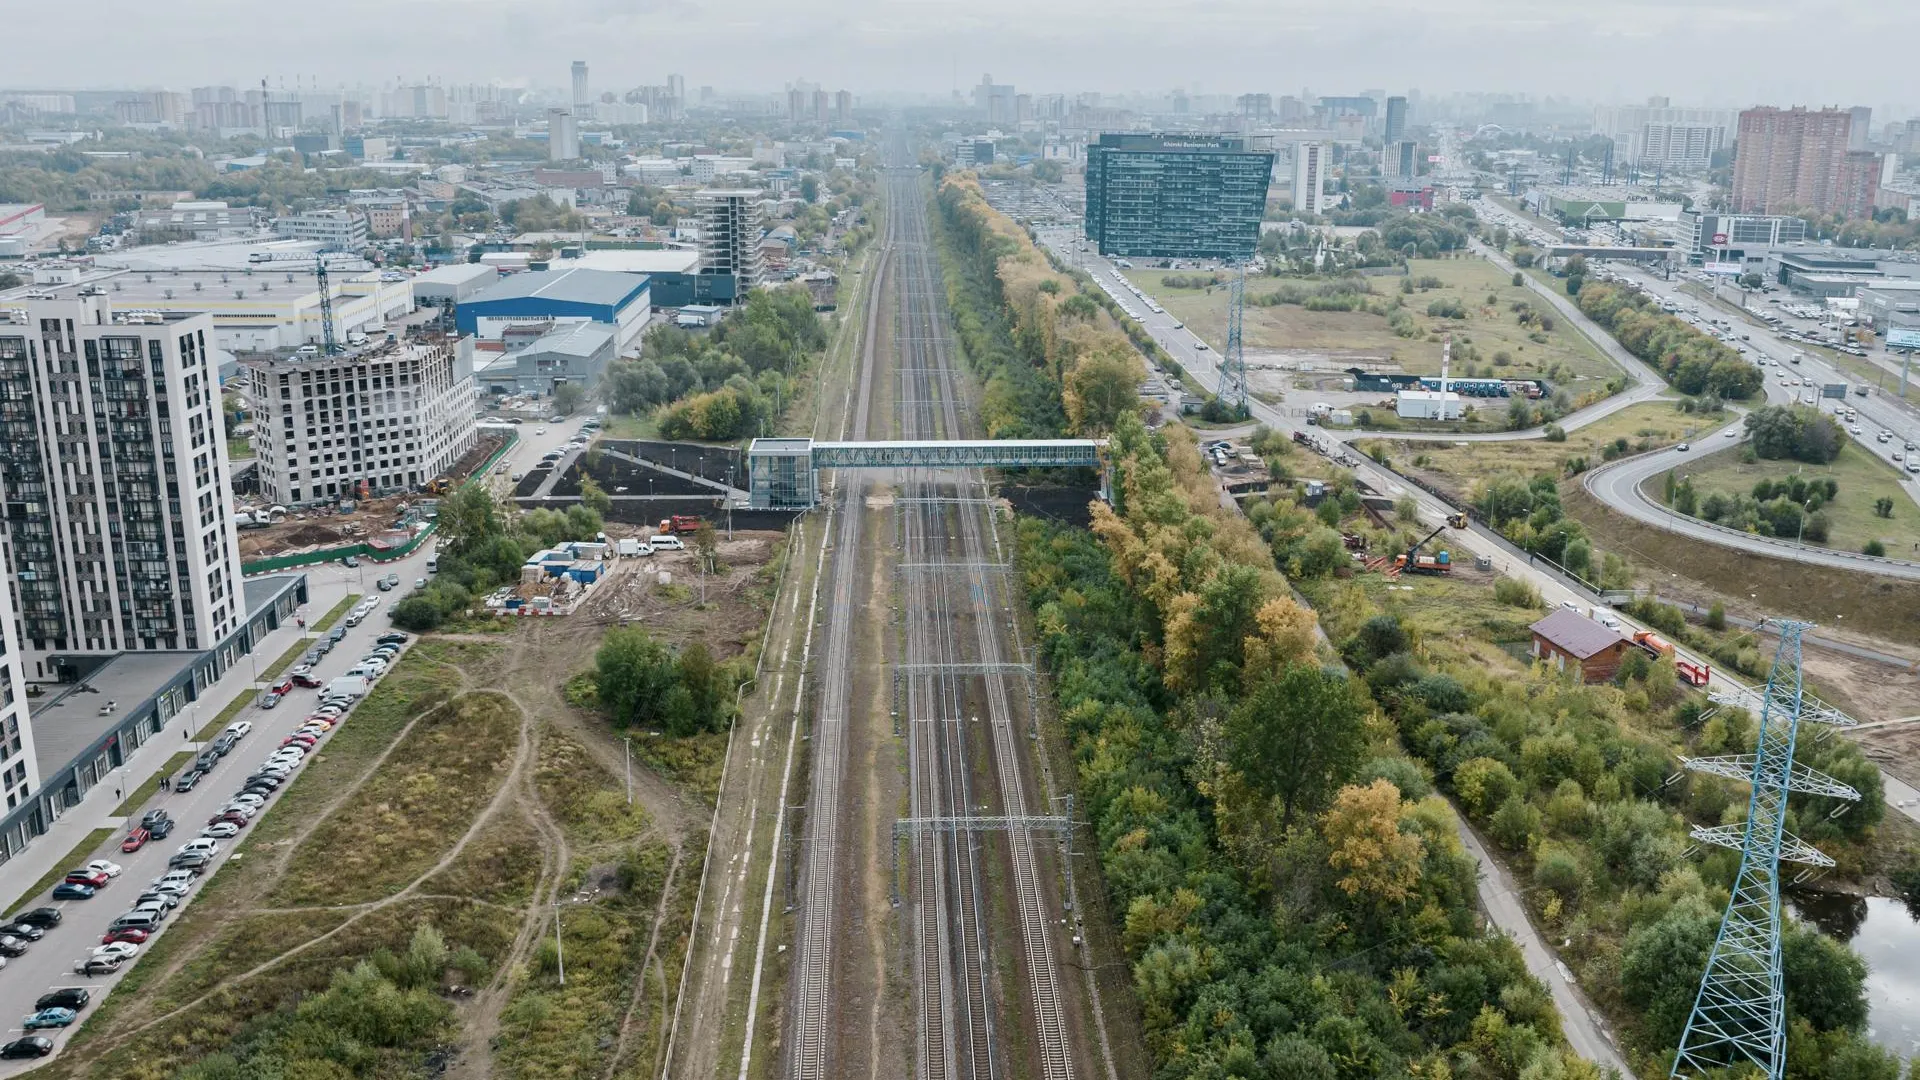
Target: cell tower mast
[1233, 363]
[1740, 1011]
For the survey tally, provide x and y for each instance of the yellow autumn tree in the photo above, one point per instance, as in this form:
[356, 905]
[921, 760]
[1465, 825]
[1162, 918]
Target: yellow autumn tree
[1377, 860]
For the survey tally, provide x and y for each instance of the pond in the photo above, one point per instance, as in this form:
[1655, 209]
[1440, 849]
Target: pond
[1886, 935]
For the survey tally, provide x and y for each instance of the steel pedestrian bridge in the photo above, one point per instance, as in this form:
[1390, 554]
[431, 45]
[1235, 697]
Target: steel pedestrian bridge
[783, 473]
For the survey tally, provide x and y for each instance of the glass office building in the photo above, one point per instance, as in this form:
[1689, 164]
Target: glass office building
[1176, 196]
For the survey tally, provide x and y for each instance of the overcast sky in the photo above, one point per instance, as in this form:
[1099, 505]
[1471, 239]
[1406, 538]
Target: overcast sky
[1727, 52]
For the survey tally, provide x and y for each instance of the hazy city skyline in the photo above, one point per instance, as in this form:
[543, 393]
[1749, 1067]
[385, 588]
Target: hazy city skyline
[1600, 52]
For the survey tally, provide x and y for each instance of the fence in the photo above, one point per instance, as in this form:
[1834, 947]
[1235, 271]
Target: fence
[362, 550]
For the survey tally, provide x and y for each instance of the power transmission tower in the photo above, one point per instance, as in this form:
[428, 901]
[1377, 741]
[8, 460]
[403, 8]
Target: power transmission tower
[1233, 364]
[1740, 1011]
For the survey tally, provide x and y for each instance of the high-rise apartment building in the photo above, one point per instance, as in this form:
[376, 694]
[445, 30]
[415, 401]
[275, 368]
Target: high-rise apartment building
[118, 508]
[1402, 159]
[1199, 196]
[822, 107]
[994, 101]
[730, 237]
[1658, 135]
[366, 421]
[582, 90]
[796, 105]
[1860, 135]
[563, 136]
[1396, 126]
[1798, 159]
[1311, 163]
[19, 773]
[1255, 106]
[843, 106]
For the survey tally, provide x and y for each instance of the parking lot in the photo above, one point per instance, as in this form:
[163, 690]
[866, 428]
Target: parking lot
[258, 753]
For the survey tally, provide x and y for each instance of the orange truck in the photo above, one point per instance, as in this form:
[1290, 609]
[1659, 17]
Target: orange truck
[1656, 646]
[680, 523]
[1694, 674]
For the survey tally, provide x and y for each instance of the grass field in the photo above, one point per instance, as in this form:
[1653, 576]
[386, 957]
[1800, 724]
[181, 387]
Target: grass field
[1862, 477]
[1888, 608]
[1565, 356]
[1455, 466]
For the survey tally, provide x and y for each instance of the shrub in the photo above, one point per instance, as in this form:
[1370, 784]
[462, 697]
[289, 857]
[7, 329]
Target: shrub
[1520, 594]
[1875, 548]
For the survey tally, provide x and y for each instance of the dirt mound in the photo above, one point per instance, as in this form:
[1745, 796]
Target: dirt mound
[310, 536]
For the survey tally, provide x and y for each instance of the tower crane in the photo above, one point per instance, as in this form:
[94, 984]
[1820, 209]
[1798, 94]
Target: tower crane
[330, 343]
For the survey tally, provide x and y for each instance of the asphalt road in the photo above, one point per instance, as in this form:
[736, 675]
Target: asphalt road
[48, 963]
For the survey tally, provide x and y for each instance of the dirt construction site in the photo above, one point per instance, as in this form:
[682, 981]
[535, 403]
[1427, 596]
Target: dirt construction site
[473, 809]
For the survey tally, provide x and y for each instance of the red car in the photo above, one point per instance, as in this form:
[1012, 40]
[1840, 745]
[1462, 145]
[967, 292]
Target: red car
[136, 839]
[303, 740]
[87, 877]
[129, 934]
[234, 816]
[283, 687]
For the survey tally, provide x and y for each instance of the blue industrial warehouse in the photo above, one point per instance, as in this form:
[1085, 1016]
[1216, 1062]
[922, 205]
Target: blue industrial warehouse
[621, 301]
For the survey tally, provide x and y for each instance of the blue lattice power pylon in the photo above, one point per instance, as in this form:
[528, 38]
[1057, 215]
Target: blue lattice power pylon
[1740, 1011]
[1233, 361]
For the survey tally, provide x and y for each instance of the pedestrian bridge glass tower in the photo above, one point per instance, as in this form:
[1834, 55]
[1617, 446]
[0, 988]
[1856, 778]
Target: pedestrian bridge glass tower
[783, 474]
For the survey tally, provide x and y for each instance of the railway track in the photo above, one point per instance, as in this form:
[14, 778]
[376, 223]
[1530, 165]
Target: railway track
[950, 617]
[959, 531]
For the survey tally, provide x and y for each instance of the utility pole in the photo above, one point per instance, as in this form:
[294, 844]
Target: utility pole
[559, 950]
[626, 741]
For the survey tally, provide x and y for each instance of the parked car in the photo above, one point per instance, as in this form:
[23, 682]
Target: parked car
[111, 869]
[32, 1046]
[70, 997]
[240, 727]
[124, 950]
[68, 890]
[91, 878]
[391, 639]
[46, 918]
[220, 830]
[307, 681]
[23, 930]
[136, 839]
[225, 743]
[193, 861]
[186, 781]
[269, 699]
[96, 965]
[350, 562]
[49, 1018]
[138, 937]
[13, 946]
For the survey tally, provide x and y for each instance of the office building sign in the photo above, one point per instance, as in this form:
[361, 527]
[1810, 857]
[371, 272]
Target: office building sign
[1903, 338]
[1720, 239]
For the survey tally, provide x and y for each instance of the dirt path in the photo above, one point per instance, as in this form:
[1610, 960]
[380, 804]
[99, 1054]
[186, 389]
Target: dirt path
[517, 775]
[647, 963]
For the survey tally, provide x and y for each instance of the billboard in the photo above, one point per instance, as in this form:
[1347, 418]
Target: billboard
[1833, 390]
[1730, 269]
[1904, 338]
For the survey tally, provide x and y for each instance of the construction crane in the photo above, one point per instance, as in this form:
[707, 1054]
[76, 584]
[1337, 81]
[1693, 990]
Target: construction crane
[1412, 562]
[330, 343]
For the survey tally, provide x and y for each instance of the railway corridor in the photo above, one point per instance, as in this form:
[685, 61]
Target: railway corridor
[974, 943]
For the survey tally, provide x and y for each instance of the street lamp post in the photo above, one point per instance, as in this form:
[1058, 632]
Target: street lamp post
[626, 741]
[559, 950]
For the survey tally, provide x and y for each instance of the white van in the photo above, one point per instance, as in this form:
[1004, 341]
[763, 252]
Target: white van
[665, 543]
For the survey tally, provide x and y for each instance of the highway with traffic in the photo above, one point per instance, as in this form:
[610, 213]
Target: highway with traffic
[49, 963]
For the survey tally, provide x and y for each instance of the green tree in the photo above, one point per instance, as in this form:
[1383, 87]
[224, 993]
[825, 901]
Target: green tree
[1883, 506]
[568, 397]
[810, 189]
[1297, 738]
[594, 497]
[468, 518]
[1874, 548]
[634, 672]
[1661, 964]
[1100, 389]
